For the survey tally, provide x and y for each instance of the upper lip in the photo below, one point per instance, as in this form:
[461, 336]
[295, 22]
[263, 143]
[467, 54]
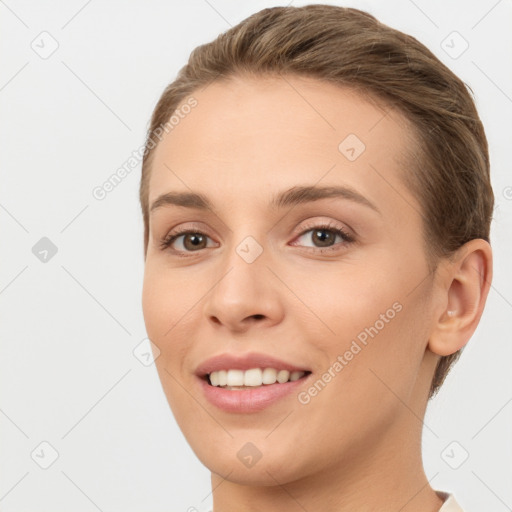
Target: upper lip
[246, 361]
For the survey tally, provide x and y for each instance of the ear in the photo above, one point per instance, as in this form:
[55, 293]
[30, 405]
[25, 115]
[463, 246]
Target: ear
[465, 282]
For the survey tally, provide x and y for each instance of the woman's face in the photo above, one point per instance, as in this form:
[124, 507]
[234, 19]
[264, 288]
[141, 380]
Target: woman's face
[333, 284]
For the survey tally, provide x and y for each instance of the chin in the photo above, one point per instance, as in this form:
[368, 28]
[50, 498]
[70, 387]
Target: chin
[246, 463]
[263, 473]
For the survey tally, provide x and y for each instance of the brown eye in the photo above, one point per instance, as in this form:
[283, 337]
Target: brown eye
[185, 241]
[324, 237]
[192, 241]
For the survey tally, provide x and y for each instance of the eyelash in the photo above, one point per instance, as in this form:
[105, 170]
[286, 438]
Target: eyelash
[347, 239]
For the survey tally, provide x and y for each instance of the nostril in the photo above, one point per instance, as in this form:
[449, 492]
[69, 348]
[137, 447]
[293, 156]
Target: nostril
[258, 317]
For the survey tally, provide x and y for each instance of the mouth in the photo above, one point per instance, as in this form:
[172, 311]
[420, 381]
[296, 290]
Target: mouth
[253, 378]
[249, 382]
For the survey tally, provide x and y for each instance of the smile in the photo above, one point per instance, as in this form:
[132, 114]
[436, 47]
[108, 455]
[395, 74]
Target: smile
[254, 377]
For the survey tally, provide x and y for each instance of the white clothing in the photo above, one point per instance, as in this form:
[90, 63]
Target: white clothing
[449, 505]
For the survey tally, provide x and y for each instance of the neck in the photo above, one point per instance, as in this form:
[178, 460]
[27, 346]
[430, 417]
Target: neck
[387, 476]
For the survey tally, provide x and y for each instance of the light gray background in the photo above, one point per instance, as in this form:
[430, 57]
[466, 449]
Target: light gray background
[69, 326]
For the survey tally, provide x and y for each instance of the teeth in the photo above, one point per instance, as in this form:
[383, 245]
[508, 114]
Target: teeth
[254, 377]
[222, 377]
[283, 376]
[269, 376]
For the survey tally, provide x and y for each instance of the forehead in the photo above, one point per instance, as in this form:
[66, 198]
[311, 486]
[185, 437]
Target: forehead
[247, 135]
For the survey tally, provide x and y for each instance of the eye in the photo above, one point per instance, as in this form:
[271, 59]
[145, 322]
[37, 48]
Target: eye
[324, 237]
[191, 241]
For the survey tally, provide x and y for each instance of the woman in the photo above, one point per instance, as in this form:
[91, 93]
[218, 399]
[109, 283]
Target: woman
[317, 206]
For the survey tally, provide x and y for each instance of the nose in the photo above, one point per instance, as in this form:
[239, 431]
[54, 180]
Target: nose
[244, 294]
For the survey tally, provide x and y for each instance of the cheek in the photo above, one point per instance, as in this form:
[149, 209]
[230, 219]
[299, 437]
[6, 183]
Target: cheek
[164, 307]
[155, 306]
[171, 302]
[165, 296]
[368, 364]
[346, 302]
[371, 320]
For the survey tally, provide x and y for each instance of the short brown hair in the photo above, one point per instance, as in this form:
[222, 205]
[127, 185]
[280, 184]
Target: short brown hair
[349, 47]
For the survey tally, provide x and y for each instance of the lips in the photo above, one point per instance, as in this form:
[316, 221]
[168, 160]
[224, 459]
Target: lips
[229, 361]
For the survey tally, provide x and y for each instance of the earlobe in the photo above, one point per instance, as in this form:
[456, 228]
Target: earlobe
[467, 282]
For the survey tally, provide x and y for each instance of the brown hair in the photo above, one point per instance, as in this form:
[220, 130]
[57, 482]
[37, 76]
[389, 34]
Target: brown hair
[349, 47]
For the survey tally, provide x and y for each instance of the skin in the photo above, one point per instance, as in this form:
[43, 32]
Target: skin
[357, 444]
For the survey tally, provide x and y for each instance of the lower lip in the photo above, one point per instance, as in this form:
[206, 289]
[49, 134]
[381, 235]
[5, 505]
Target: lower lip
[249, 400]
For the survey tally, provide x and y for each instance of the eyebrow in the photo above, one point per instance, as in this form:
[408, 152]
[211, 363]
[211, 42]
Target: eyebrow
[293, 196]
